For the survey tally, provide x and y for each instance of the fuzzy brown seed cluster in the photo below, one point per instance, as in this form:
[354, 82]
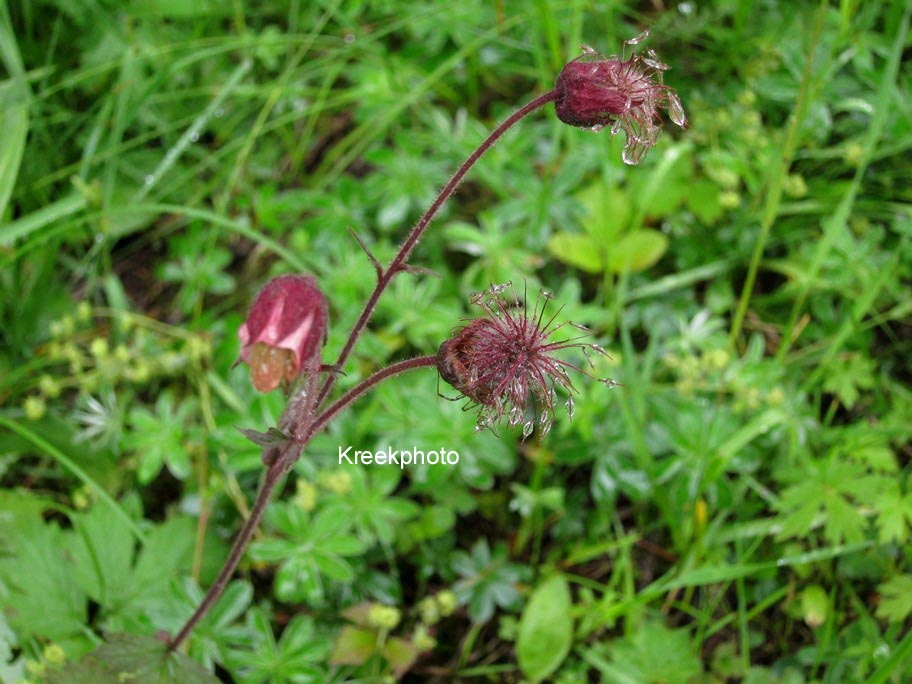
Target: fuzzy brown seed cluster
[594, 91]
[506, 363]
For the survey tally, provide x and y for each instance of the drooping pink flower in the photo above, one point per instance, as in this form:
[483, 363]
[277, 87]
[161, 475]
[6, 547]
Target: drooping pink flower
[507, 363]
[594, 91]
[284, 332]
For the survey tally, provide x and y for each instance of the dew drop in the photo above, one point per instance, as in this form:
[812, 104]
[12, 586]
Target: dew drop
[527, 428]
[675, 110]
[636, 40]
[148, 180]
[545, 423]
[349, 38]
[652, 59]
[588, 50]
[570, 406]
[596, 128]
[219, 113]
[194, 136]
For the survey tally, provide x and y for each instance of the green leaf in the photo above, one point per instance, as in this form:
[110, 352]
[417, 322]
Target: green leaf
[133, 658]
[637, 250]
[703, 201]
[815, 605]
[44, 597]
[401, 654]
[14, 97]
[607, 212]
[577, 250]
[353, 646]
[102, 551]
[895, 599]
[545, 629]
[895, 516]
[652, 654]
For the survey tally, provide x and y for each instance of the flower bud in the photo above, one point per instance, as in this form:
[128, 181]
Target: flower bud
[594, 91]
[284, 331]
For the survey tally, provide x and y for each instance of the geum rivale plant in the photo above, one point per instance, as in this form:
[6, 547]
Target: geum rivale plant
[506, 363]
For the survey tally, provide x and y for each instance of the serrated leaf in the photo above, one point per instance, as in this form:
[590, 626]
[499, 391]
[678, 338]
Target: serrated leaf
[102, 552]
[895, 599]
[637, 250]
[133, 658]
[545, 629]
[44, 597]
[652, 654]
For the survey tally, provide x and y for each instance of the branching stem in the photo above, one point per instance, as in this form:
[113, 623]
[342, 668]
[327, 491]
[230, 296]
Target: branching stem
[279, 465]
[399, 261]
[277, 470]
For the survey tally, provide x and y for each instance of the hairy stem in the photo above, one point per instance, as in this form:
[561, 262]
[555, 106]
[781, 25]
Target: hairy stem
[365, 385]
[306, 425]
[399, 261]
[277, 469]
[273, 476]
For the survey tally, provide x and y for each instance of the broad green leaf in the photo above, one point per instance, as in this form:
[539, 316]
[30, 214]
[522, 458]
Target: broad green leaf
[133, 658]
[703, 201]
[662, 191]
[44, 597]
[651, 654]
[607, 212]
[638, 250]
[545, 629]
[577, 250]
[102, 553]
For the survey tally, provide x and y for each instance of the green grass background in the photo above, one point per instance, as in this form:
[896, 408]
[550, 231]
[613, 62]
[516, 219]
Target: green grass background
[739, 510]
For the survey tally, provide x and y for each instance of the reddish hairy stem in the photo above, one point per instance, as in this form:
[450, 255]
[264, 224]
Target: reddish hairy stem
[409, 364]
[273, 475]
[399, 261]
[280, 466]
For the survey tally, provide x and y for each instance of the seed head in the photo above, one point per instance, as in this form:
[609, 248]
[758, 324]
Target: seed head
[594, 91]
[284, 331]
[506, 363]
